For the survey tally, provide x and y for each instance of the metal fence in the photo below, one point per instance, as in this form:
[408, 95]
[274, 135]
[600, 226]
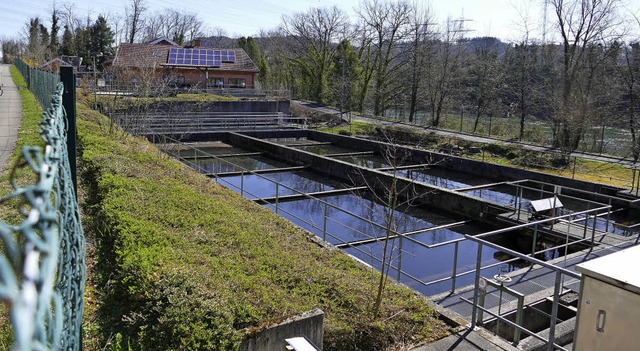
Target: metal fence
[42, 265]
[42, 84]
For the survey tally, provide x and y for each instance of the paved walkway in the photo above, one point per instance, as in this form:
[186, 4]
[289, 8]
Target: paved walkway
[467, 340]
[467, 136]
[10, 115]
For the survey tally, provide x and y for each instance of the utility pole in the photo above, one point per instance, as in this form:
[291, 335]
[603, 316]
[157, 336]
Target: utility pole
[342, 90]
[95, 79]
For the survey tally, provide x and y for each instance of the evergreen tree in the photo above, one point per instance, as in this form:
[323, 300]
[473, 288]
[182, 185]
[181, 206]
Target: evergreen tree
[34, 36]
[81, 44]
[68, 48]
[345, 76]
[44, 36]
[253, 50]
[54, 44]
[100, 40]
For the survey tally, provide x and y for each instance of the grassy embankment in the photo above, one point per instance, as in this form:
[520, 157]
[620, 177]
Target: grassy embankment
[183, 263]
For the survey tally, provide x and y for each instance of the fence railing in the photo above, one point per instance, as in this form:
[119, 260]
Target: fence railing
[42, 263]
[42, 84]
[194, 122]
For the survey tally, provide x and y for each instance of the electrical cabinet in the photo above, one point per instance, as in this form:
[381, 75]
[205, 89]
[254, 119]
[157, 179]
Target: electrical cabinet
[609, 306]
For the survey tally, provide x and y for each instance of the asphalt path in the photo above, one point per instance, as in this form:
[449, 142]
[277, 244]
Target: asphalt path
[471, 137]
[10, 115]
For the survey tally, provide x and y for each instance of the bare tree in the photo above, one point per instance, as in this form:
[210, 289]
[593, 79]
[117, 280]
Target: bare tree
[394, 195]
[629, 93]
[134, 18]
[580, 24]
[485, 79]
[367, 63]
[176, 25]
[422, 39]
[444, 74]
[519, 61]
[389, 24]
[315, 35]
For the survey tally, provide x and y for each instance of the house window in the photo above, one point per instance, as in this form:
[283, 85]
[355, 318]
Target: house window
[180, 80]
[237, 83]
[215, 82]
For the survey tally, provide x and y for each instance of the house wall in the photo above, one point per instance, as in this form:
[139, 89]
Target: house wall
[195, 76]
[191, 76]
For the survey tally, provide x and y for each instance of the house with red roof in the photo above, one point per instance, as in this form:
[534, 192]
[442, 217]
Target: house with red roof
[163, 61]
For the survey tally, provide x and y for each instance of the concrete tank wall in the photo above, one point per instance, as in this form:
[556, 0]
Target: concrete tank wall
[469, 166]
[241, 106]
[309, 325]
[444, 199]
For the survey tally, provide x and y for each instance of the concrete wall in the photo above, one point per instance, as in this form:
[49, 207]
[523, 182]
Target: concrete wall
[454, 163]
[447, 200]
[222, 106]
[309, 325]
[488, 170]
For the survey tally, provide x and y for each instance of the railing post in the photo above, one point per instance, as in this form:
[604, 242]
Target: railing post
[455, 268]
[399, 258]
[477, 288]
[519, 313]
[535, 240]
[519, 199]
[68, 79]
[608, 216]
[324, 226]
[593, 230]
[482, 296]
[554, 312]
[277, 197]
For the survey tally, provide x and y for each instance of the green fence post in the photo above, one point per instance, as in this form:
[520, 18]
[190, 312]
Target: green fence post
[68, 79]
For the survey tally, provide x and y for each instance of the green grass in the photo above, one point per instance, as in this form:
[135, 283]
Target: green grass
[27, 136]
[356, 128]
[122, 101]
[183, 263]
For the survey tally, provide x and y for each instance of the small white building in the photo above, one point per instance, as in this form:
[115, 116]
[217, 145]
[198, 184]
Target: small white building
[609, 308]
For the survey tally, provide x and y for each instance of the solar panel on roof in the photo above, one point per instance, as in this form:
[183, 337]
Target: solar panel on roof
[228, 56]
[193, 57]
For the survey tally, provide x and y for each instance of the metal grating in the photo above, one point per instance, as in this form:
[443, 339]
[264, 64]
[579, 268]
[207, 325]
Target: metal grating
[200, 57]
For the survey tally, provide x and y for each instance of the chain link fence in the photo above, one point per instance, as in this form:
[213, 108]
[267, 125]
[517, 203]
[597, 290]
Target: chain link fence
[42, 265]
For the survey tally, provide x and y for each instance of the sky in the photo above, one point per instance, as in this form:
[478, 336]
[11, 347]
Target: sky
[498, 18]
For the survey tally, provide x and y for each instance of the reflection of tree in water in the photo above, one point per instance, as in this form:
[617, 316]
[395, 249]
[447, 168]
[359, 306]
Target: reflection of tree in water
[303, 182]
[433, 179]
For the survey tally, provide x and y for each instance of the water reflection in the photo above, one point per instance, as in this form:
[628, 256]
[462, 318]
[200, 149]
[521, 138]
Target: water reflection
[368, 161]
[291, 183]
[219, 150]
[443, 178]
[327, 149]
[236, 164]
